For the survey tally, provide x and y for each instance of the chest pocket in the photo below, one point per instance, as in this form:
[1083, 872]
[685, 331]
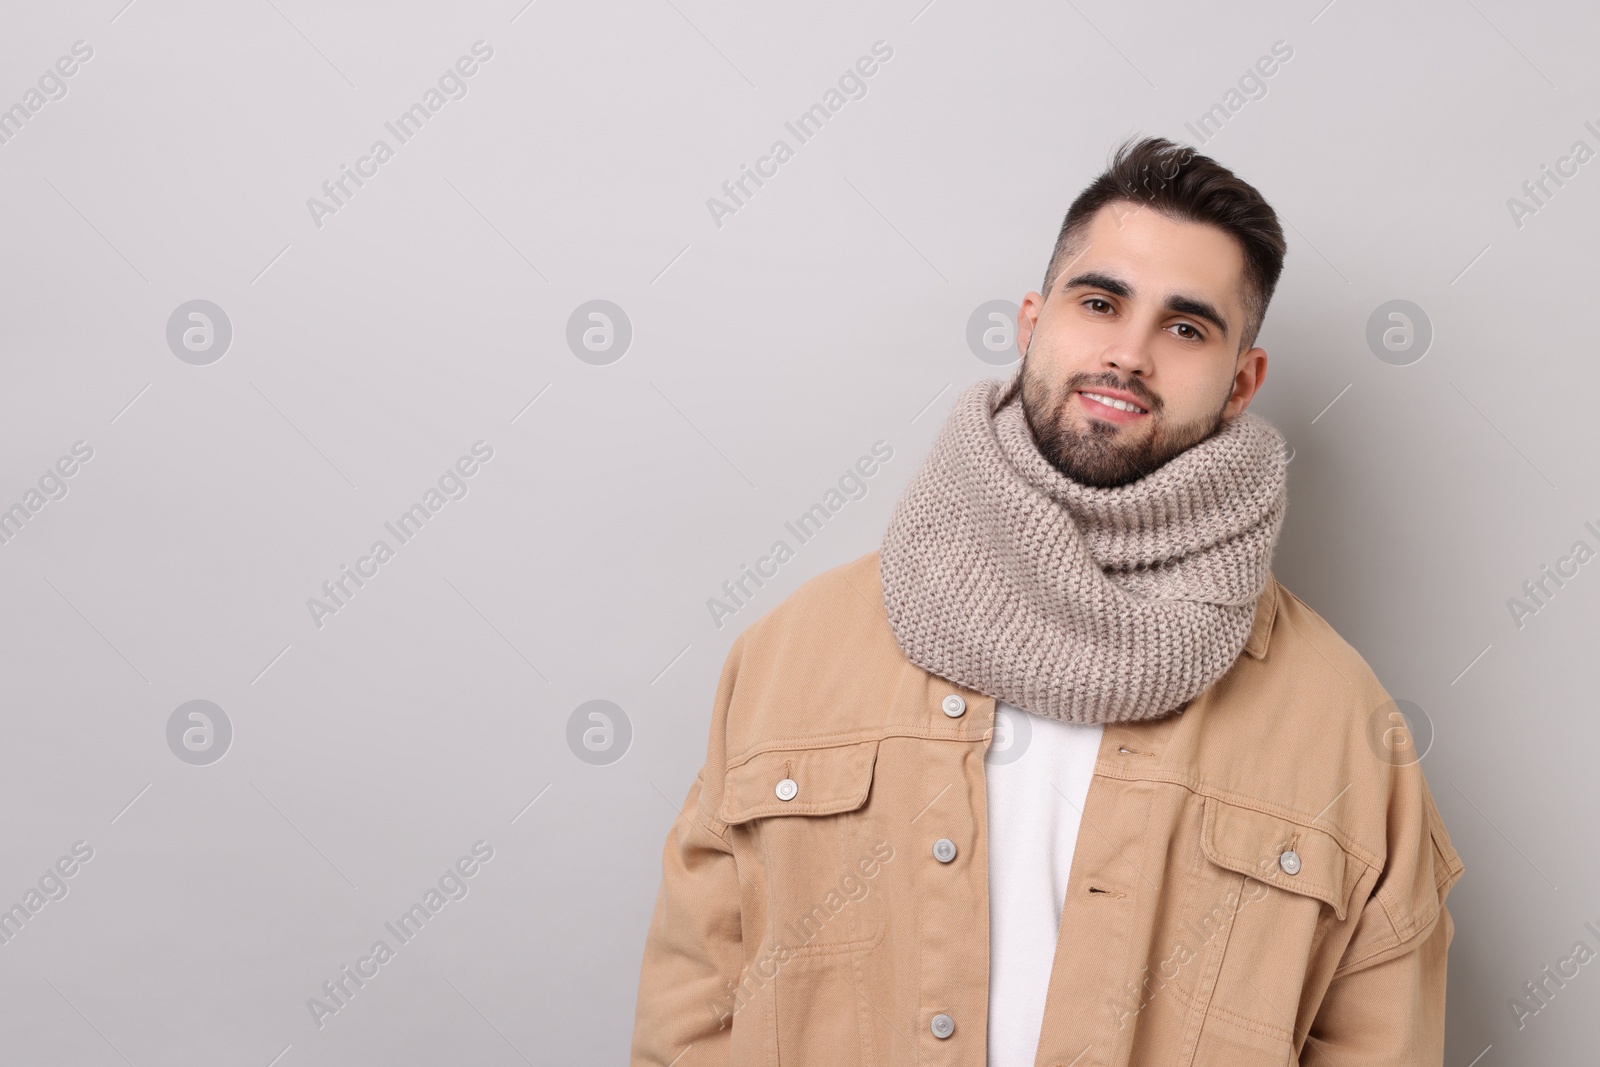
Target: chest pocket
[1290, 883]
[1254, 843]
[818, 856]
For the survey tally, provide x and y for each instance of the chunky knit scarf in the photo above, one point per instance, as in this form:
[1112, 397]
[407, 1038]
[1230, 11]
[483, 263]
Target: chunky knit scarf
[1078, 603]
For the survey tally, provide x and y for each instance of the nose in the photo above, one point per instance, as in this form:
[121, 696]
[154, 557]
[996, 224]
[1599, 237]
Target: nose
[1127, 354]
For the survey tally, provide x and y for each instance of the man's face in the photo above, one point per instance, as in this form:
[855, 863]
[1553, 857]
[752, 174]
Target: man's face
[1150, 312]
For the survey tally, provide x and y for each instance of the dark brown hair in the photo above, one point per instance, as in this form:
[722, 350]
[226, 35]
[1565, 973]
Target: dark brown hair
[1179, 183]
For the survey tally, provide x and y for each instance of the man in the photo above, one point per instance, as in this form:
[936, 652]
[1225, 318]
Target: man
[1061, 774]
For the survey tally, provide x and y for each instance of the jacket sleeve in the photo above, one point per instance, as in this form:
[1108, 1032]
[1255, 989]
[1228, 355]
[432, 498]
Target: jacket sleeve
[694, 949]
[1385, 1004]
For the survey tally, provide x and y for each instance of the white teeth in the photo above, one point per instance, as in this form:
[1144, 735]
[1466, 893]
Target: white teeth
[1113, 402]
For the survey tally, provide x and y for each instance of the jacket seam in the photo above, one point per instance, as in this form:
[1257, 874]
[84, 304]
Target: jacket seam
[1450, 862]
[713, 826]
[816, 741]
[1334, 830]
[1406, 929]
[1400, 937]
[836, 948]
[1309, 641]
[1243, 1021]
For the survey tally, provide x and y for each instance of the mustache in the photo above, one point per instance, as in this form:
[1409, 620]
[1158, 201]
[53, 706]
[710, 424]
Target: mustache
[1133, 387]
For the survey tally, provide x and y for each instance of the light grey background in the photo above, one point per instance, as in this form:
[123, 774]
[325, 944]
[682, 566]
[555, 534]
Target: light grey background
[830, 311]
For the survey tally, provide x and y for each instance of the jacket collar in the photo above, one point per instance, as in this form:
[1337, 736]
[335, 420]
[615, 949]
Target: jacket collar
[1266, 612]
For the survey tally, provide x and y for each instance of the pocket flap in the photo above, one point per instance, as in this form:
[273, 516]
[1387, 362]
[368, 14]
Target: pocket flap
[828, 779]
[1249, 841]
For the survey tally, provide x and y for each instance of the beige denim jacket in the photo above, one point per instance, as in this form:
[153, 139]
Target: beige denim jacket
[1257, 880]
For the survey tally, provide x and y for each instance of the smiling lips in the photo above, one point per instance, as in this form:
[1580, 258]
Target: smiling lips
[1111, 406]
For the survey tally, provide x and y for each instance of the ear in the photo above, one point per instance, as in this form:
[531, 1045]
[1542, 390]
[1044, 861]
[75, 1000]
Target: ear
[1249, 373]
[1027, 318]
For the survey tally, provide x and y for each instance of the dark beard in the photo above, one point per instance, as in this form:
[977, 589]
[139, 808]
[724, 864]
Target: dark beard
[1094, 457]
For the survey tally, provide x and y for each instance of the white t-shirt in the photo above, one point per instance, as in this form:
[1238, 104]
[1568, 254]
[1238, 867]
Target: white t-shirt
[1037, 773]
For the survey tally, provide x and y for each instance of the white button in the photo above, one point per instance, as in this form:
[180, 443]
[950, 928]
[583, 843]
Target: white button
[1290, 861]
[954, 706]
[787, 789]
[944, 850]
[943, 1025]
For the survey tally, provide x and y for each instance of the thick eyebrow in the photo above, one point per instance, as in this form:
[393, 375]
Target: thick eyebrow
[1179, 302]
